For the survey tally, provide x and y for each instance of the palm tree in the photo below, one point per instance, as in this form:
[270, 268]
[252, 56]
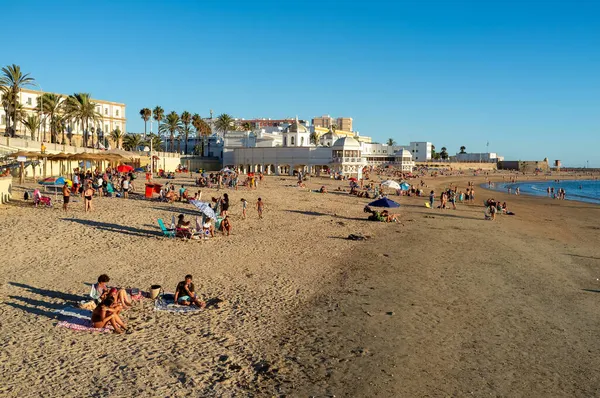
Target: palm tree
[146, 114]
[443, 153]
[462, 149]
[132, 142]
[247, 126]
[51, 105]
[186, 119]
[158, 114]
[224, 123]
[117, 136]
[31, 123]
[80, 108]
[12, 80]
[156, 142]
[202, 129]
[171, 124]
[391, 142]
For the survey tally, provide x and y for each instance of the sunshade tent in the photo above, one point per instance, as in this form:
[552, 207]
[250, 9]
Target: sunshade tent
[405, 186]
[26, 154]
[391, 184]
[204, 209]
[124, 168]
[384, 202]
[123, 153]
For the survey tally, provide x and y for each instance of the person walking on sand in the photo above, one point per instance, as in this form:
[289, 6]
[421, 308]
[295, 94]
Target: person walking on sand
[259, 207]
[431, 198]
[244, 206]
[66, 195]
[87, 198]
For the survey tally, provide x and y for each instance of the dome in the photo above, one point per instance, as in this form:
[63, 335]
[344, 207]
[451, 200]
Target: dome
[403, 153]
[346, 143]
[297, 128]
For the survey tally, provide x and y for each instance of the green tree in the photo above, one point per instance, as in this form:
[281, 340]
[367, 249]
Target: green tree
[12, 80]
[462, 149]
[157, 143]
[391, 142]
[117, 136]
[51, 105]
[132, 142]
[225, 123]
[146, 114]
[247, 126]
[202, 130]
[80, 108]
[31, 123]
[186, 119]
[171, 124]
[158, 114]
[444, 153]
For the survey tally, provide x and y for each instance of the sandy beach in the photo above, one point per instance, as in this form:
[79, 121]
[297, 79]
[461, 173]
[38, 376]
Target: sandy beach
[443, 303]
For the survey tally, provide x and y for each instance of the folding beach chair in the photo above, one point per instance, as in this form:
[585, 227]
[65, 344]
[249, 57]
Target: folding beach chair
[169, 233]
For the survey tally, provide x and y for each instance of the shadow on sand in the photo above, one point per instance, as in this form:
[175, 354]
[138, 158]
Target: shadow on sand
[319, 214]
[123, 229]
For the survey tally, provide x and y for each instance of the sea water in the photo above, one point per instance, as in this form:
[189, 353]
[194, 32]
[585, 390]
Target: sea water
[580, 190]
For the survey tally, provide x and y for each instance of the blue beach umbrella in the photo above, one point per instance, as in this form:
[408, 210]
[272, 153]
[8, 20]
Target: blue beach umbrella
[405, 186]
[384, 202]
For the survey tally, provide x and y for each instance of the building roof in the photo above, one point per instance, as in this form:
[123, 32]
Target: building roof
[403, 153]
[346, 142]
[297, 127]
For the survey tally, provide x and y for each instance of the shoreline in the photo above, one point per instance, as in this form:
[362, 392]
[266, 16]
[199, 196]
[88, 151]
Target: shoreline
[501, 186]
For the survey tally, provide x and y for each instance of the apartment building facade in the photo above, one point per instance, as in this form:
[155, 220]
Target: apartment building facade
[113, 116]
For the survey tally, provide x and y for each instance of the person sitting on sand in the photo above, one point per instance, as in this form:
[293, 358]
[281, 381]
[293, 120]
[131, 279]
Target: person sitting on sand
[226, 226]
[389, 217]
[185, 293]
[101, 291]
[105, 313]
[323, 189]
[208, 227]
[170, 196]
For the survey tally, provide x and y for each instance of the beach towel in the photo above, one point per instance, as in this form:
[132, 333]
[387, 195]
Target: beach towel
[166, 303]
[78, 319]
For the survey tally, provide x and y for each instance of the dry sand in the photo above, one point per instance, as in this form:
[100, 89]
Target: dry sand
[441, 304]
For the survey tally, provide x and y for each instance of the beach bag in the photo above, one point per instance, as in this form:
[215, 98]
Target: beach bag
[26, 195]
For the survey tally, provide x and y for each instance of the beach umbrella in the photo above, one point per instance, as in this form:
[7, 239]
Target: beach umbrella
[204, 209]
[55, 181]
[250, 174]
[124, 168]
[405, 186]
[384, 202]
[391, 184]
[353, 179]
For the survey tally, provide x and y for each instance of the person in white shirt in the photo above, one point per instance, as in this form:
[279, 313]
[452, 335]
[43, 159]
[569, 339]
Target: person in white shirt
[126, 186]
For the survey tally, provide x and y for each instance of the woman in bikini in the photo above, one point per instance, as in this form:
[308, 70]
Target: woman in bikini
[87, 197]
[104, 314]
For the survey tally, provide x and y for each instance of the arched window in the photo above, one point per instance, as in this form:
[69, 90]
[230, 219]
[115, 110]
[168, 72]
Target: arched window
[302, 141]
[292, 141]
[284, 141]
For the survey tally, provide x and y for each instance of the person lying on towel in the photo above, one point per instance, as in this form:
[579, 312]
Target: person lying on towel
[185, 293]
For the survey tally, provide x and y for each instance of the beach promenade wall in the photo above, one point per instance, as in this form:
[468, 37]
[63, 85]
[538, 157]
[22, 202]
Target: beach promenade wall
[5, 189]
[459, 165]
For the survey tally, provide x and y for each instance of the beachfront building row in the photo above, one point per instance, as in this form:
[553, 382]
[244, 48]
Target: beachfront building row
[293, 150]
[112, 117]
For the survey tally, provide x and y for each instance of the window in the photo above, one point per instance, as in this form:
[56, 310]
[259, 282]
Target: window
[302, 141]
[3, 119]
[117, 112]
[29, 101]
[106, 111]
[106, 127]
[292, 141]
[284, 141]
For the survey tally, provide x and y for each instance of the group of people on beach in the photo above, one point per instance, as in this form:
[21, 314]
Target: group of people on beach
[110, 302]
[559, 193]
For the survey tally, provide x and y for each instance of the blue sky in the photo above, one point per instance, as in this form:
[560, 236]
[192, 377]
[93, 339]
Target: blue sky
[523, 75]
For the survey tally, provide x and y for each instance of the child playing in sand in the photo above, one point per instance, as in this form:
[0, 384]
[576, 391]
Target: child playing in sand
[244, 206]
[259, 207]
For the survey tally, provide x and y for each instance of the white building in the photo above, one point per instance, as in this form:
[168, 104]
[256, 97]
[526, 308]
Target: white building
[347, 157]
[404, 160]
[421, 150]
[113, 116]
